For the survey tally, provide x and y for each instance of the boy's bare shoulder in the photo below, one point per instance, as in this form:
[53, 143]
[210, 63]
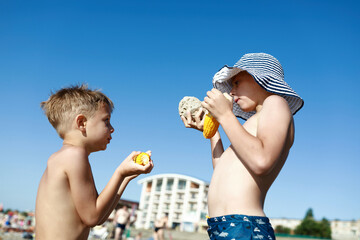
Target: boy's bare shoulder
[277, 102]
[275, 115]
[276, 99]
[67, 156]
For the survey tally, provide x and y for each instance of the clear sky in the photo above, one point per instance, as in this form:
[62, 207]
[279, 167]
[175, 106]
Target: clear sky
[147, 55]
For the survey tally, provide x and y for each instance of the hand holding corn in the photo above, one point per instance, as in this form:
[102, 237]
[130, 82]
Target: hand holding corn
[193, 105]
[142, 159]
[211, 125]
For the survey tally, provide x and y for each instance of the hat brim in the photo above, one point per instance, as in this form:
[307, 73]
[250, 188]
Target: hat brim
[222, 82]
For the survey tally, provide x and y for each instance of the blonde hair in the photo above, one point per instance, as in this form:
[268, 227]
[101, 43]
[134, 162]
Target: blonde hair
[64, 105]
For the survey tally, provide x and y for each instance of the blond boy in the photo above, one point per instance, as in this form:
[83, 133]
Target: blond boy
[67, 203]
[244, 172]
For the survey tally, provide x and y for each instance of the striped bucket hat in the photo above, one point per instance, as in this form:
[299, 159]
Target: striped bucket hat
[267, 72]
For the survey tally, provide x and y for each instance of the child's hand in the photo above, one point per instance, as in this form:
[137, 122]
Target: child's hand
[129, 169]
[217, 103]
[196, 122]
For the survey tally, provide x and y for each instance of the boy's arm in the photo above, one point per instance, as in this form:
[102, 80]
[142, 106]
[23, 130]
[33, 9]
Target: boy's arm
[117, 198]
[217, 148]
[258, 153]
[119, 194]
[197, 123]
[91, 207]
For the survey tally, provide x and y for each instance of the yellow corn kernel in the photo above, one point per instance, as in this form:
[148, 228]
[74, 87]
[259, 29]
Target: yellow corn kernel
[211, 125]
[142, 159]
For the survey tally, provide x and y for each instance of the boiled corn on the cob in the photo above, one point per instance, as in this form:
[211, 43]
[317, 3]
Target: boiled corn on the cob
[142, 159]
[211, 125]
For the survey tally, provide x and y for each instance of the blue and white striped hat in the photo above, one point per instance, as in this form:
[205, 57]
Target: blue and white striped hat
[267, 72]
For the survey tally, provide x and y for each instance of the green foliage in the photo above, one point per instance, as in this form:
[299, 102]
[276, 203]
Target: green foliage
[282, 229]
[25, 214]
[7, 211]
[325, 228]
[309, 214]
[310, 227]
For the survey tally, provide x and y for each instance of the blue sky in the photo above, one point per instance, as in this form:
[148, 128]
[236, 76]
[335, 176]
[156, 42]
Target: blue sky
[147, 55]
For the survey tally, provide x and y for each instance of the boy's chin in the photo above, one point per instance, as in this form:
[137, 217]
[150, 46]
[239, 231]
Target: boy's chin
[101, 149]
[246, 108]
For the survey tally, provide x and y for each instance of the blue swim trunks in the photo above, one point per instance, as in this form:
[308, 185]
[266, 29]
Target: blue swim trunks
[240, 227]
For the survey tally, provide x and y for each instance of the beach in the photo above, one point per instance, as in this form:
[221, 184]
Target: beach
[147, 235]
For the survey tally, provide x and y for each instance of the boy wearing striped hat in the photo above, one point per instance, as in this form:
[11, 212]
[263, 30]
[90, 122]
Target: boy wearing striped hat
[244, 172]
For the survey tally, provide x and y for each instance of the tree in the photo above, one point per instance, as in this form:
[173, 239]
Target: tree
[310, 227]
[282, 229]
[309, 214]
[325, 228]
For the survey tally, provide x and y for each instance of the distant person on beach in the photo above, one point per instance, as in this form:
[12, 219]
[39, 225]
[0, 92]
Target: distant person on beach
[160, 226]
[138, 236]
[67, 203]
[244, 172]
[122, 217]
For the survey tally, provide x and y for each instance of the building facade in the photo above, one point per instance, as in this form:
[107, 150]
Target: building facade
[183, 198]
[285, 222]
[340, 229]
[345, 230]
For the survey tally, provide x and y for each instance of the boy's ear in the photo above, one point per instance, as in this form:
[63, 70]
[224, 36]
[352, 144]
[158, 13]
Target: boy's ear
[81, 122]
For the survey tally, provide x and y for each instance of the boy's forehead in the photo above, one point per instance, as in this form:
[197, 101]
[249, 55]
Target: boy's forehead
[240, 75]
[104, 109]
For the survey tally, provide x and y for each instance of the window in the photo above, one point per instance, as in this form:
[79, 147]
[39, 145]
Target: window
[180, 196]
[168, 197]
[158, 185]
[194, 185]
[182, 184]
[193, 206]
[169, 184]
[148, 187]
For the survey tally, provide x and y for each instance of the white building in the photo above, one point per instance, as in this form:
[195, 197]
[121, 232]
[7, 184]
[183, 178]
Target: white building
[285, 222]
[340, 229]
[345, 230]
[183, 198]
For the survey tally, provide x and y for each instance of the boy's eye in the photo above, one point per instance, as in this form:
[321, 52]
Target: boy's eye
[107, 122]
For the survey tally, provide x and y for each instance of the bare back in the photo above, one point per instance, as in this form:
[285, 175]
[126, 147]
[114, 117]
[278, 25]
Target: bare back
[122, 216]
[161, 222]
[56, 215]
[234, 189]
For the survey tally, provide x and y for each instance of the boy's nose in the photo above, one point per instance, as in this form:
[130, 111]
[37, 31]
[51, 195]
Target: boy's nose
[112, 129]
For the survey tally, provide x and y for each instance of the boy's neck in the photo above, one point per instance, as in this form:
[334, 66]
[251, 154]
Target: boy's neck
[75, 141]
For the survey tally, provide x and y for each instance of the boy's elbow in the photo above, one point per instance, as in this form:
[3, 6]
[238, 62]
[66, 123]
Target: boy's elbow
[91, 221]
[263, 167]
[92, 224]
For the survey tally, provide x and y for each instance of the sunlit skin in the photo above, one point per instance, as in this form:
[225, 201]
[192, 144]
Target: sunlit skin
[161, 224]
[67, 203]
[244, 172]
[122, 216]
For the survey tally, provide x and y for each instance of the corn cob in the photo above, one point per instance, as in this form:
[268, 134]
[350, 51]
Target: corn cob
[142, 159]
[211, 125]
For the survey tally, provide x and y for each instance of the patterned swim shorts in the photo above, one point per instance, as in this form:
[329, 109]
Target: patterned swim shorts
[240, 227]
